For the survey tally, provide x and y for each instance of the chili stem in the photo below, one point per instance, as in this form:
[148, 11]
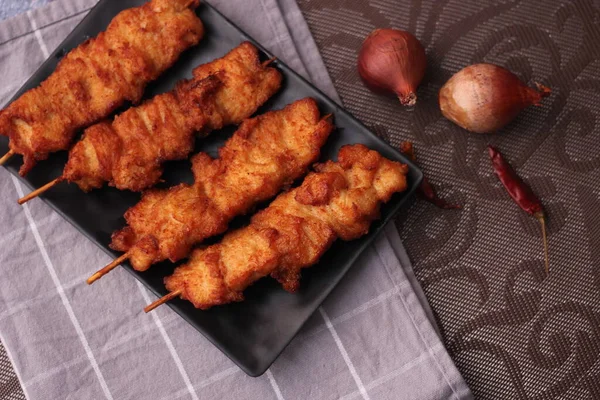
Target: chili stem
[540, 217]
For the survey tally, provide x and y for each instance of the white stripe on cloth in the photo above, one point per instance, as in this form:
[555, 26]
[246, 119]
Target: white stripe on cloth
[172, 350]
[14, 233]
[49, 373]
[395, 373]
[345, 355]
[274, 385]
[61, 291]
[24, 305]
[38, 35]
[411, 315]
[113, 344]
[352, 313]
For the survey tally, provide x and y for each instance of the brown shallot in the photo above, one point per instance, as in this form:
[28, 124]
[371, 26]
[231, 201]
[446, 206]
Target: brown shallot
[483, 98]
[394, 61]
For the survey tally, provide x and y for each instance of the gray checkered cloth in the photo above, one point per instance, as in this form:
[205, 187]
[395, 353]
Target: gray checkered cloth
[373, 338]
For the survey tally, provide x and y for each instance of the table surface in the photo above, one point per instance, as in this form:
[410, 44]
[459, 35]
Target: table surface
[512, 331]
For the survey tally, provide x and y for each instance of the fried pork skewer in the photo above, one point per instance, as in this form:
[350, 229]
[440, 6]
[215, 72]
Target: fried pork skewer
[340, 200]
[128, 152]
[265, 154]
[98, 76]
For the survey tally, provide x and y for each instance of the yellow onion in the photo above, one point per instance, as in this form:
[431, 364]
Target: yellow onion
[483, 98]
[391, 60]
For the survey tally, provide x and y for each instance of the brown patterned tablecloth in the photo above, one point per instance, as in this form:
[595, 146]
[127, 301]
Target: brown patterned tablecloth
[513, 332]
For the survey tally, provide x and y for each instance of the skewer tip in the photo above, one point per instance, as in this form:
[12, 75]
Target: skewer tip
[39, 191]
[99, 274]
[94, 278]
[268, 62]
[168, 297]
[6, 157]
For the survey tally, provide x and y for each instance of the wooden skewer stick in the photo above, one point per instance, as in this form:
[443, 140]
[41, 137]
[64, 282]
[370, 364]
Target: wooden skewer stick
[39, 191]
[6, 157]
[107, 269]
[268, 62]
[328, 116]
[162, 300]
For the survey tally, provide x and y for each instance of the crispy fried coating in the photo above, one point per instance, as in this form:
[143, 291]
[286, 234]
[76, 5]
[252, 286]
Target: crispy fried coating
[340, 200]
[265, 154]
[128, 153]
[98, 76]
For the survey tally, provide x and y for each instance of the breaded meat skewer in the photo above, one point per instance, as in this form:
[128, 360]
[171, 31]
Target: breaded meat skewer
[340, 200]
[98, 76]
[128, 152]
[264, 155]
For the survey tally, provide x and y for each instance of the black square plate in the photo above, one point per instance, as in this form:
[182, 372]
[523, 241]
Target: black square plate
[252, 333]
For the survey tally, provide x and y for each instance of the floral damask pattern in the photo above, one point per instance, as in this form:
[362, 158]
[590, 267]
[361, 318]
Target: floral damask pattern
[513, 331]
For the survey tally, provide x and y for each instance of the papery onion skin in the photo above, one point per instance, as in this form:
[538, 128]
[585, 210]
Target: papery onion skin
[393, 61]
[484, 98]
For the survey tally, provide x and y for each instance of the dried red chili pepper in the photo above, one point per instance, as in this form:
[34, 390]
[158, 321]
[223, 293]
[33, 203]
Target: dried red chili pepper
[425, 190]
[520, 193]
